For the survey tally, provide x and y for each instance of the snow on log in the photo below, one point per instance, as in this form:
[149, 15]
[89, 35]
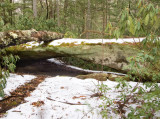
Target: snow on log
[16, 37]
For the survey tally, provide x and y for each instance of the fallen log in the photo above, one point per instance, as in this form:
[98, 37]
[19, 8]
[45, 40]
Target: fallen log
[16, 37]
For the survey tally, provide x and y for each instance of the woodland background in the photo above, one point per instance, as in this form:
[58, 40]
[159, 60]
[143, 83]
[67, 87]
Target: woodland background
[74, 18]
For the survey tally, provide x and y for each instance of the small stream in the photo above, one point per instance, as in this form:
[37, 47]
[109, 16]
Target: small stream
[44, 67]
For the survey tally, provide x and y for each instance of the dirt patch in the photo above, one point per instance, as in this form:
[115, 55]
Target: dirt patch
[17, 96]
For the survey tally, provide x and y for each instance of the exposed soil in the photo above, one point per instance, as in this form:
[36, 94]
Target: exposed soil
[17, 96]
[43, 67]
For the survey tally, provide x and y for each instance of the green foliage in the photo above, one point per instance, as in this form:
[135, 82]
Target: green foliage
[69, 34]
[145, 66]
[72, 16]
[8, 65]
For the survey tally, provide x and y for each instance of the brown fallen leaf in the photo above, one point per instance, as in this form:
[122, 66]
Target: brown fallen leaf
[62, 87]
[38, 103]
[82, 97]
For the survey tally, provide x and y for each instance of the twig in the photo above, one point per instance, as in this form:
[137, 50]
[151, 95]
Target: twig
[87, 113]
[66, 102]
[16, 111]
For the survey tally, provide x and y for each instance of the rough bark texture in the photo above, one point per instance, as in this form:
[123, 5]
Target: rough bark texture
[35, 8]
[11, 38]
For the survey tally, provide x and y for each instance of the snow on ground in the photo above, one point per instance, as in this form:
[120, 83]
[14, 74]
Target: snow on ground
[64, 98]
[15, 81]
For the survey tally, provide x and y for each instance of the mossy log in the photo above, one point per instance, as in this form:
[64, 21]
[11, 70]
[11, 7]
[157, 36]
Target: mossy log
[100, 76]
[16, 37]
[115, 55]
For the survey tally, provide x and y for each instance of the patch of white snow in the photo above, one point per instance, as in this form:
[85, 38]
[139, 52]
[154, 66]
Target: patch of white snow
[14, 81]
[79, 41]
[63, 97]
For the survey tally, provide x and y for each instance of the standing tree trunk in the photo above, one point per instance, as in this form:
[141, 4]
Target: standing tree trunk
[88, 19]
[35, 8]
[65, 13]
[41, 8]
[10, 14]
[129, 6]
[47, 14]
[54, 10]
[58, 13]
[51, 5]
[105, 14]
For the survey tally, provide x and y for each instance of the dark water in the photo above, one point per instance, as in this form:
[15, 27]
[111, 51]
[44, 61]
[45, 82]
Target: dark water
[43, 67]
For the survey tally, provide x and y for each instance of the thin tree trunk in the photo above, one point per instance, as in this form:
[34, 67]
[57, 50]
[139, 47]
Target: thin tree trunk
[58, 13]
[88, 19]
[104, 17]
[108, 9]
[107, 13]
[54, 10]
[41, 4]
[35, 8]
[11, 15]
[47, 16]
[129, 6]
[41, 8]
[65, 12]
[51, 5]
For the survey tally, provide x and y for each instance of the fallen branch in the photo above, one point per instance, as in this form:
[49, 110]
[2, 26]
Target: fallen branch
[16, 37]
[66, 102]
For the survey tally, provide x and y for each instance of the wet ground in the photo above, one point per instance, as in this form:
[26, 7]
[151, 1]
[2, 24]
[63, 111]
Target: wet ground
[43, 67]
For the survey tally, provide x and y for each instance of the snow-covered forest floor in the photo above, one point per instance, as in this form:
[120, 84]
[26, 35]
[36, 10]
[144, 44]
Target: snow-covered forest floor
[64, 97]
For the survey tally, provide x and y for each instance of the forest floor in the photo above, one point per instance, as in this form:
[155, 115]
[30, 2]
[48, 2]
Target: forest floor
[59, 97]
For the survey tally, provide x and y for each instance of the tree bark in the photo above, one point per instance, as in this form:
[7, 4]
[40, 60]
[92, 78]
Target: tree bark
[35, 8]
[88, 22]
[47, 7]
[10, 14]
[11, 38]
[58, 13]
[65, 13]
